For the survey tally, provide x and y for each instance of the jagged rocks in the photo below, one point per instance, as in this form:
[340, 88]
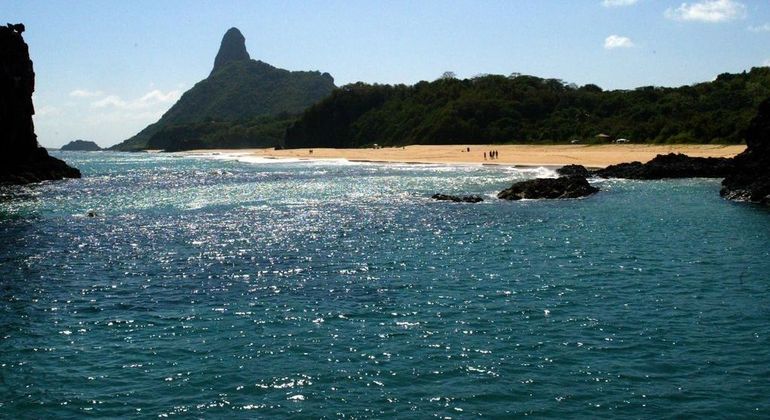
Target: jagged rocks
[22, 160]
[458, 199]
[549, 188]
[672, 165]
[750, 179]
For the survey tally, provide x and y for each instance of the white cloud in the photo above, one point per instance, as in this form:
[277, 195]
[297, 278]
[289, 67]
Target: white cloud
[83, 93]
[617, 41]
[708, 11]
[760, 28]
[48, 111]
[150, 99]
[618, 3]
[766, 63]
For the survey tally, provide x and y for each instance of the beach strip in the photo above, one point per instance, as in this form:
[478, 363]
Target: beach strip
[591, 156]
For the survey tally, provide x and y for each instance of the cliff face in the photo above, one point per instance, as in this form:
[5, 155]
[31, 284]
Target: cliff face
[233, 48]
[22, 160]
[750, 181]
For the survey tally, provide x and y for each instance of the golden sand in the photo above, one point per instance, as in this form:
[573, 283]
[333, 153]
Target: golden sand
[592, 156]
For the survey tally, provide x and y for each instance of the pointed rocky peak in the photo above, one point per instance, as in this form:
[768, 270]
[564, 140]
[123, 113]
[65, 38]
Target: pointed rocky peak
[233, 48]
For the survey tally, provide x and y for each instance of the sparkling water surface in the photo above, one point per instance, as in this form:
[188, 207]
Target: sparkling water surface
[209, 287]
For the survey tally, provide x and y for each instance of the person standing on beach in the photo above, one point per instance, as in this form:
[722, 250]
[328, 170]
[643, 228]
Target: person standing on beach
[485, 155]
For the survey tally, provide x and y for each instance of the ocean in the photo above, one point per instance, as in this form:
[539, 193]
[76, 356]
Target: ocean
[216, 288]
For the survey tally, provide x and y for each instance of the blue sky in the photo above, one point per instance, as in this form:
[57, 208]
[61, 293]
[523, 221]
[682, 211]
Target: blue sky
[106, 69]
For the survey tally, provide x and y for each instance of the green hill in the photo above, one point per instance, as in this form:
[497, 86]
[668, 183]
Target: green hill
[528, 109]
[243, 101]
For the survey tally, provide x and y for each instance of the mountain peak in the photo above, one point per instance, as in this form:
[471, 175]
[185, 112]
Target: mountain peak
[233, 48]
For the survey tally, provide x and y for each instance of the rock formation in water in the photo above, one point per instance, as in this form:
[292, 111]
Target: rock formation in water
[458, 199]
[672, 165]
[750, 181]
[242, 103]
[574, 170]
[550, 188]
[22, 160]
[82, 146]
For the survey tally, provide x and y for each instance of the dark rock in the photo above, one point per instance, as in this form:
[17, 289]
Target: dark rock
[458, 199]
[564, 187]
[750, 181]
[672, 165]
[574, 170]
[81, 145]
[22, 160]
[233, 48]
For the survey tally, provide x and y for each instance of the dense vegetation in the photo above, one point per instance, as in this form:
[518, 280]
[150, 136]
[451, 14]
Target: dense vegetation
[527, 109]
[259, 132]
[242, 104]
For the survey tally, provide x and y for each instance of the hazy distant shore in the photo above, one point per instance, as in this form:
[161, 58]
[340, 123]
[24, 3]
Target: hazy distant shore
[593, 156]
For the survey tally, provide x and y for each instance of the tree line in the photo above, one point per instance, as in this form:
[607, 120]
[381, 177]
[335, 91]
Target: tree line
[528, 109]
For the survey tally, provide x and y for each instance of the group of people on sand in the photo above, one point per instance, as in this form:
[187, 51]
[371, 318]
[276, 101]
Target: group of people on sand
[492, 155]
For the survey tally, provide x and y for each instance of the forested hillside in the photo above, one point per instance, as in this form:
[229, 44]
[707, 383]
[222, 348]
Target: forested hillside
[527, 109]
[242, 103]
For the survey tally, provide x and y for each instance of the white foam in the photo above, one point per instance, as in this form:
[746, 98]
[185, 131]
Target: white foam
[249, 158]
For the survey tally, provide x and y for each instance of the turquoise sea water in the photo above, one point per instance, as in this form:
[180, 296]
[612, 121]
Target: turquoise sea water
[215, 288]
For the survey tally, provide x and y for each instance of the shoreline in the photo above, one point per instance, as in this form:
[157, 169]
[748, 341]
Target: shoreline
[590, 156]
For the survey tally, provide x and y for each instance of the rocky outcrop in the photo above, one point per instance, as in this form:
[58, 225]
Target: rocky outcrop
[233, 48]
[750, 179]
[574, 170]
[22, 160]
[550, 188]
[672, 165]
[81, 146]
[458, 199]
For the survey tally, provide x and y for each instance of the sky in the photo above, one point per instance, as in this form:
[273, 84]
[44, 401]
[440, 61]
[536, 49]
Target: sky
[105, 69]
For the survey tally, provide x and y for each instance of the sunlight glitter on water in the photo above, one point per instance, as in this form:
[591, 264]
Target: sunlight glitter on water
[225, 289]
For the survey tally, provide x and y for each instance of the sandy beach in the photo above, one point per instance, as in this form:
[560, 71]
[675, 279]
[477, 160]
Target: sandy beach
[592, 156]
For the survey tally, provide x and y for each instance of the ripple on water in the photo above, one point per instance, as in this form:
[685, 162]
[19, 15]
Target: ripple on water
[221, 288]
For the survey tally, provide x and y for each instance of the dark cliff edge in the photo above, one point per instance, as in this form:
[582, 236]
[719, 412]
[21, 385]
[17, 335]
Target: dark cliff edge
[22, 160]
[750, 180]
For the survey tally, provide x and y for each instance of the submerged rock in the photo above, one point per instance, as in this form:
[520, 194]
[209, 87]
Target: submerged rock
[550, 188]
[750, 180]
[458, 199]
[22, 160]
[672, 165]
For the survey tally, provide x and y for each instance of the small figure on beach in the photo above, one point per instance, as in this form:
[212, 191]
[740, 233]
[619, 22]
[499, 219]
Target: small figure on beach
[485, 155]
[469, 149]
[310, 151]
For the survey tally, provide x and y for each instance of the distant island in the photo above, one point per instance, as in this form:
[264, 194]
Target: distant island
[242, 103]
[81, 145]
